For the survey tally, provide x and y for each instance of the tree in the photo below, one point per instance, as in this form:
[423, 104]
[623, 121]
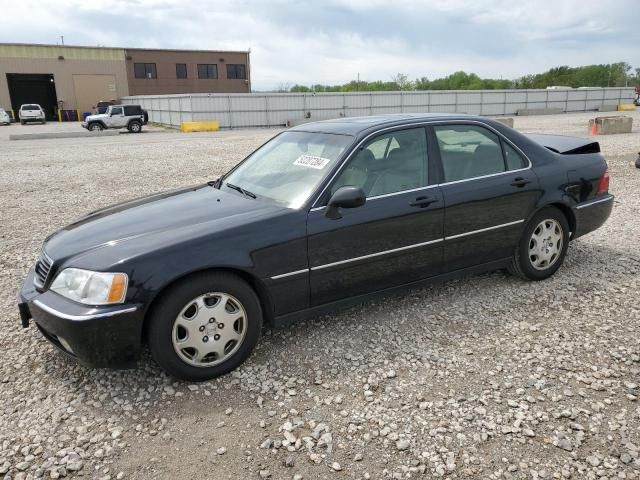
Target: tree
[403, 82]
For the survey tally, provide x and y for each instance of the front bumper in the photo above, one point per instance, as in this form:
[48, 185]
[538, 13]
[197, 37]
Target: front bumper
[83, 124]
[108, 336]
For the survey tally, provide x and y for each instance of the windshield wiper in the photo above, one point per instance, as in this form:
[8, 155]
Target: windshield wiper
[241, 190]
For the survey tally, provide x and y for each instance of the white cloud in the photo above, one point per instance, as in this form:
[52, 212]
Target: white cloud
[333, 41]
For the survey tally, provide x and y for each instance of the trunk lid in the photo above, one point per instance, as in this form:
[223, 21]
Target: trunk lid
[564, 144]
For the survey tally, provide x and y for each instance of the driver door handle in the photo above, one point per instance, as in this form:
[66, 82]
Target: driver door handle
[423, 202]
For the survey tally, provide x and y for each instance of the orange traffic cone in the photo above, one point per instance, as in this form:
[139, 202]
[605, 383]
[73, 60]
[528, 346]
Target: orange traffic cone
[594, 130]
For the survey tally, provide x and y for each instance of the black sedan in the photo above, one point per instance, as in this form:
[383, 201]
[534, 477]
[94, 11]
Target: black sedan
[323, 215]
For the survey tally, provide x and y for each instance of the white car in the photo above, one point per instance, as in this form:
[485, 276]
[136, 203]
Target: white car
[5, 119]
[31, 112]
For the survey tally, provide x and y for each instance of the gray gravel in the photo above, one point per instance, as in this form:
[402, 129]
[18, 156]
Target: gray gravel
[484, 377]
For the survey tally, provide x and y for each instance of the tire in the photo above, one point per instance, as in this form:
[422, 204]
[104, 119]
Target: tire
[22, 122]
[204, 299]
[95, 127]
[134, 126]
[535, 260]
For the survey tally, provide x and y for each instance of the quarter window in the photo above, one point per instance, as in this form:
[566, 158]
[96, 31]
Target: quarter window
[514, 159]
[469, 151]
[238, 71]
[207, 71]
[145, 70]
[393, 162]
[181, 70]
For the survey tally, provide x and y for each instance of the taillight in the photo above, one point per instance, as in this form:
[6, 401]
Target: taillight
[603, 185]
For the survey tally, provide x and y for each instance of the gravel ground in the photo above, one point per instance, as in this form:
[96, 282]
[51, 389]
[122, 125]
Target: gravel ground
[484, 377]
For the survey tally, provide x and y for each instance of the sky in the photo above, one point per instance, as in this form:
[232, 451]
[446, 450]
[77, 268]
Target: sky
[332, 41]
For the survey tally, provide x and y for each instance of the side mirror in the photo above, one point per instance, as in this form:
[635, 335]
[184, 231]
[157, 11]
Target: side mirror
[347, 196]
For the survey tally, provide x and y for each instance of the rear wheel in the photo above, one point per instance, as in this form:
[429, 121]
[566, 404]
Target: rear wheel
[205, 326]
[134, 127]
[95, 127]
[22, 122]
[543, 245]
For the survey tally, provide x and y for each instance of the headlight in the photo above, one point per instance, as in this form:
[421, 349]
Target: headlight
[91, 288]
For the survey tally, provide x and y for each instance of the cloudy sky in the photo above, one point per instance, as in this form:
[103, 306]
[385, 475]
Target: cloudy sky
[331, 41]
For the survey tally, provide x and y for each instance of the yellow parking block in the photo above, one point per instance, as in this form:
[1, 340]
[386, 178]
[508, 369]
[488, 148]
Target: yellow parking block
[626, 107]
[209, 126]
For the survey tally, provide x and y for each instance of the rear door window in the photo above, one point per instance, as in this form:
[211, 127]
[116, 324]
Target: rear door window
[469, 151]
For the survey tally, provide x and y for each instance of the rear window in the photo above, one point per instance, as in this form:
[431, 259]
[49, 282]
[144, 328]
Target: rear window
[30, 107]
[132, 110]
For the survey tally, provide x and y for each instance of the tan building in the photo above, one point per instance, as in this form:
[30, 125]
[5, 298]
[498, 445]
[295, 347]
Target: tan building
[66, 80]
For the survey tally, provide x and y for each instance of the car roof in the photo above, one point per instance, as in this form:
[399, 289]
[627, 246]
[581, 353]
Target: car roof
[358, 125]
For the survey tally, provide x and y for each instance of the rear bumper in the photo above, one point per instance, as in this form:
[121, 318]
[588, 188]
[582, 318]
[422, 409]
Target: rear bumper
[592, 214]
[107, 336]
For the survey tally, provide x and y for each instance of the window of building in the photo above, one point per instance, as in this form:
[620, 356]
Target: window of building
[181, 70]
[207, 71]
[145, 70]
[238, 71]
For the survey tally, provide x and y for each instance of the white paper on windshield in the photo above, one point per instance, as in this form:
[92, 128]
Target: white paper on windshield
[312, 161]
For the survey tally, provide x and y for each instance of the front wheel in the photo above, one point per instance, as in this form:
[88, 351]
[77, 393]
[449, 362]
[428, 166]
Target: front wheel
[95, 127]
[205, 326]
[543, 245]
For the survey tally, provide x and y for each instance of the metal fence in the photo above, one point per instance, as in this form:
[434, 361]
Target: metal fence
[277, 109]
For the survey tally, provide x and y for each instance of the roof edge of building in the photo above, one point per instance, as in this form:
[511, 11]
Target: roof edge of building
[20, 44]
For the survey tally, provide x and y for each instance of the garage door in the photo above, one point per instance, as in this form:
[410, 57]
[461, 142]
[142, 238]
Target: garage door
[90, 89]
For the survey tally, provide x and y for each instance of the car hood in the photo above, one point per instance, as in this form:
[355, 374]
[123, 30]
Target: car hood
[181, 214]
[97, 116]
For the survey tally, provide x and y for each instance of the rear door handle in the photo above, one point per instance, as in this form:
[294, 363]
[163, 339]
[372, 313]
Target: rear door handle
[423, 202]
[520, 182]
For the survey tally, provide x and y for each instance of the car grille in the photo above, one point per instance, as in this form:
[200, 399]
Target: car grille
[43, 267]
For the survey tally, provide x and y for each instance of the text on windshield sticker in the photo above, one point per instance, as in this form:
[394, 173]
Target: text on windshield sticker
[312, 161]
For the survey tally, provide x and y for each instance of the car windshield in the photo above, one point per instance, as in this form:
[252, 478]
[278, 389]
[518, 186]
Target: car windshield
[30, 107]
[288, 168]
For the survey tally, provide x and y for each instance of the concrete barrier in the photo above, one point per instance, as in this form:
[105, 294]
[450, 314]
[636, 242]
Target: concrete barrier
[508, 121]
[608, 108]
[208, 126]
[78, 134]
[539, 111]
[611, 125]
